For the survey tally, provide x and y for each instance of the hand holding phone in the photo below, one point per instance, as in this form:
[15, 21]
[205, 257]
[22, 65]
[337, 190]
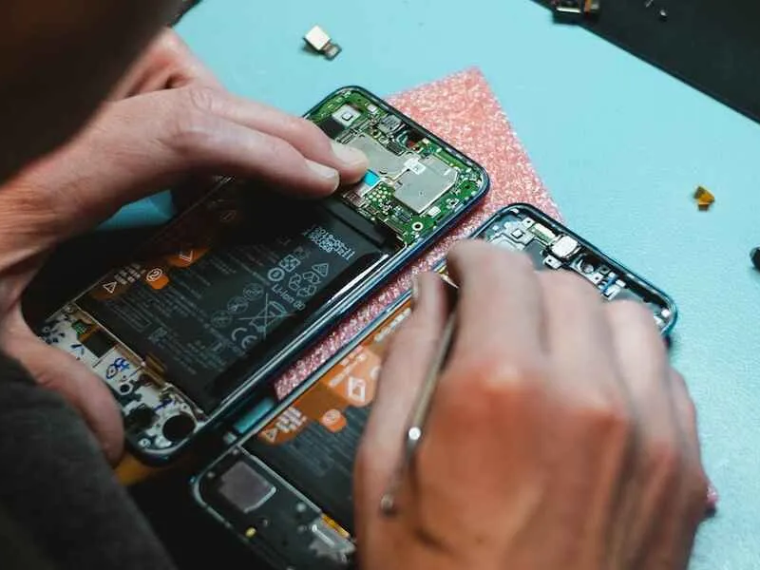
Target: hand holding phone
[559, 435]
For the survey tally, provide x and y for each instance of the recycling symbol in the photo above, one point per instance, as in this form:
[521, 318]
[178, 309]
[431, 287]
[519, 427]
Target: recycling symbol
[302, 284]
[311, 277]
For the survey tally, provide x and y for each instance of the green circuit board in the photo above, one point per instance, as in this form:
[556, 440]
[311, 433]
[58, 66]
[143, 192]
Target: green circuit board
[415, 181]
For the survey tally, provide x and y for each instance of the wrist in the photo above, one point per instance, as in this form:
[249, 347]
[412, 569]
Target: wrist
[29, 225]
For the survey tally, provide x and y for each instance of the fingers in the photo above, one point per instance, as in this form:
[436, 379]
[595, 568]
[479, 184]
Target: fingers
[403, 372]
[686, 415]
[213, 144]
[500, 308]
[665, 464]
[55, 370]
[303, 135]
[579, 344]
[153, 141]
[643, 365]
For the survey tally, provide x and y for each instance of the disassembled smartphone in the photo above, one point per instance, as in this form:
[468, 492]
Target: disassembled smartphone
[553, 246]
[285, 486]
[240, 284]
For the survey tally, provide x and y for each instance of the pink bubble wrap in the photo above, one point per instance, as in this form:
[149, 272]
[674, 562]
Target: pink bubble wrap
[462, 110]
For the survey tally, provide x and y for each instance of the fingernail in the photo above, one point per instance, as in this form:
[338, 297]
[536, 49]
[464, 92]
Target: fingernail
[349, 156]
[324, 172]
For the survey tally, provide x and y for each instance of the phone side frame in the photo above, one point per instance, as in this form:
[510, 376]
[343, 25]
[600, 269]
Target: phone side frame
[553, 224]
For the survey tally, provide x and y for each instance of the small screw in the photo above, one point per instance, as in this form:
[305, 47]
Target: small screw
[663, 15]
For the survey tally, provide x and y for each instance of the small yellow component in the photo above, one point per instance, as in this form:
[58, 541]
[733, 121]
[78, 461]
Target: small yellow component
[320, 41]
[250, 533]
[704, 198]
[340, 530]
[131, 472]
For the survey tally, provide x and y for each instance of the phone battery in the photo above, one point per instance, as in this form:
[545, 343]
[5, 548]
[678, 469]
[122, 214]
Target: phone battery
[224, 284]
[314, 441]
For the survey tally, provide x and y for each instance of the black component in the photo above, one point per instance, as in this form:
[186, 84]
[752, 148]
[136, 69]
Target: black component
[99, 342]
[411, 137]
[755, 257]
[568, 10]
[354, 219]
[320, 463]
[395, 147]
[331, 127]
[244, 488]
[535, 250]
[139, 419]
[251, 497]
[178, 427]
[389, 124]
[408, 138]
[404, 216]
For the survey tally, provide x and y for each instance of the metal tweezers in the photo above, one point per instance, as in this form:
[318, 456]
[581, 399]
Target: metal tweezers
[418, 419]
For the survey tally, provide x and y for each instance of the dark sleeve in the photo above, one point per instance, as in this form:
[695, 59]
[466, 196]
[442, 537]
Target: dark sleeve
[57, 491]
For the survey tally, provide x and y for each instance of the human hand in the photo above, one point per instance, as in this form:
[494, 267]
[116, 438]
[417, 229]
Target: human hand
[559, 435]
[134, 147]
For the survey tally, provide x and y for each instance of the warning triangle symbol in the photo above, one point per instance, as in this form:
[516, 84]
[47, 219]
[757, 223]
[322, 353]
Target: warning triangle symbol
[357, 390]
[270, 434]
[321, 268]
[110, 287]
[186, 255]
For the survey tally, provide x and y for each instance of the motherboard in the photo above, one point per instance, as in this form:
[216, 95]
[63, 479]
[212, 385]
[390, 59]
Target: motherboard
[414, 182]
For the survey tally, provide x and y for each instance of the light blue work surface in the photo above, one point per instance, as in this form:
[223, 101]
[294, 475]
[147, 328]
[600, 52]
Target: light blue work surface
[622, 147]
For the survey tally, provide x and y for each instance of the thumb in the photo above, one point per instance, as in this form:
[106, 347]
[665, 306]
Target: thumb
[55, 370]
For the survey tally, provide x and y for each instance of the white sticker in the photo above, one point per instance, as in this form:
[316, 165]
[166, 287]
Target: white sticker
[415, 165]
[357, 390]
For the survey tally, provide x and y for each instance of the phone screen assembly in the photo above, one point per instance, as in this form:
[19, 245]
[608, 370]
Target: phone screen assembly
[233, 290]
[285, 488]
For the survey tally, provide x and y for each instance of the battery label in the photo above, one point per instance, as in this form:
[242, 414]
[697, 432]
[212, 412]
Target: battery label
[313, 442]
[221, 283]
